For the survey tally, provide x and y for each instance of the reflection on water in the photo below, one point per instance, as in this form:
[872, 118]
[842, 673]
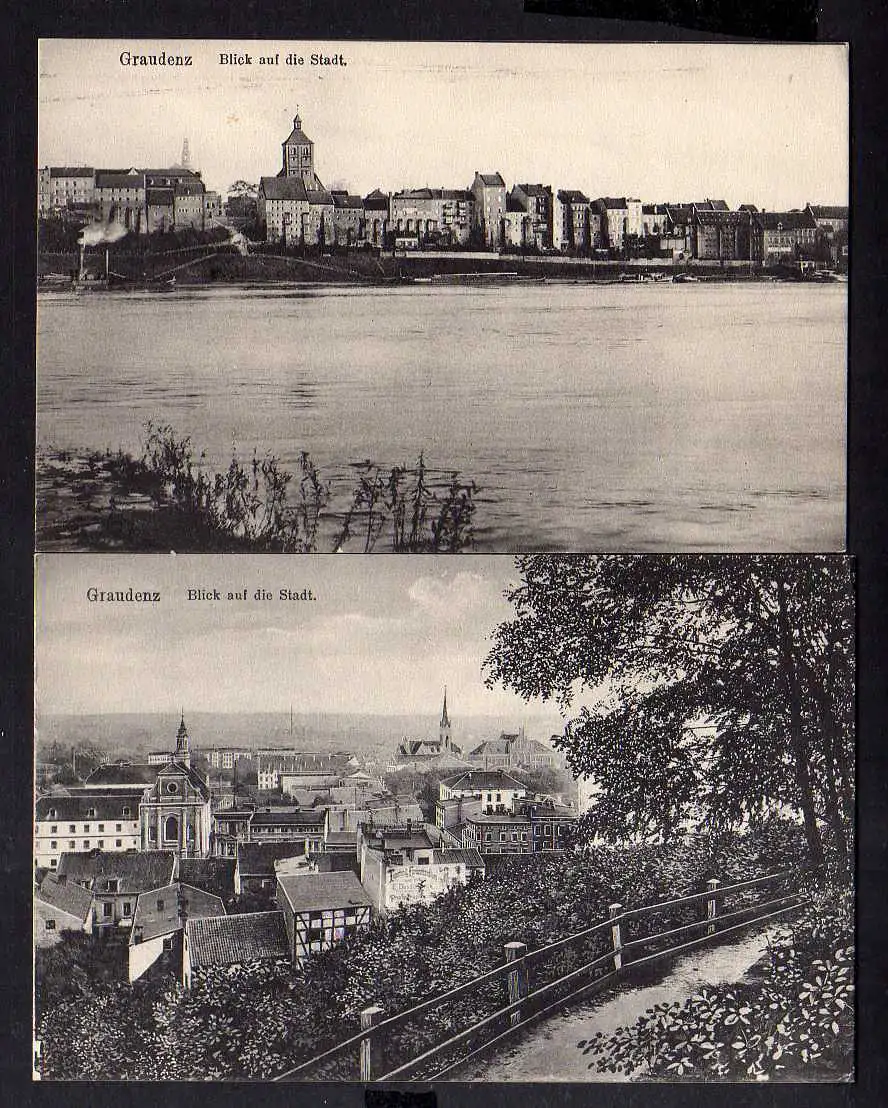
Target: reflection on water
[700, 417]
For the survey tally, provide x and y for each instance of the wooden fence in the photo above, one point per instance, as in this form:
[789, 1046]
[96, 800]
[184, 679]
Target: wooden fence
[421, 1043]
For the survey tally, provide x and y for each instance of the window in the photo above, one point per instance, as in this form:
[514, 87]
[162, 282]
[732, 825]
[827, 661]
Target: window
[101, 827]
[118, 842]
[107, 910]
[118, 827]
[127, 908]
[91, 814]
[53, 829]
[53, 861]
[53, 814]
[172, 787]
[86, 844]
[53, 845]
[72, 827]
[101, 844]
[159, 905]
[503, 836]
[152, 834]
[171, 829]
[126, 812]
[50, 925]
[72, 845]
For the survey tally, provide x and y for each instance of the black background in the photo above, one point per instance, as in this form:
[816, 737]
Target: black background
[865, 26]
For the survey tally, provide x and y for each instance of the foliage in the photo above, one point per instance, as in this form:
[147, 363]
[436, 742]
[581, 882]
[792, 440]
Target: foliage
[258, 1022]
[78, 964]
[418, 517]
[717, 689]
[797, 1022]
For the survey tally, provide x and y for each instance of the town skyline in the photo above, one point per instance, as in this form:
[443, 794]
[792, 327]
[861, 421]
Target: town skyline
[383, 642]
[668, 123]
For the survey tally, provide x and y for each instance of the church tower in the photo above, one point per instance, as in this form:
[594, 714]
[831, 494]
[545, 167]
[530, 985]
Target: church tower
[298, 153]
[444, 726]
[183, 744]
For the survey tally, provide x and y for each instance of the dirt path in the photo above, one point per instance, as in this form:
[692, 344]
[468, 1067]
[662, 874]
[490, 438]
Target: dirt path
[548, 1051]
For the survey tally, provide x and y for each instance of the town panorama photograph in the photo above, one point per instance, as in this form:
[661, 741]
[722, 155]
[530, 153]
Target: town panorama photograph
[441, 297]
[542, 818]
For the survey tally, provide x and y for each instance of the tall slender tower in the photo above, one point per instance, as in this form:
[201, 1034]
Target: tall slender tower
[183, 744]
[444, 725]
[298, 156]
[186, 154]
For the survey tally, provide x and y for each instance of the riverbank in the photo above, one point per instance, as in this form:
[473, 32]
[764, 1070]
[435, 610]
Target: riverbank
[223, 264]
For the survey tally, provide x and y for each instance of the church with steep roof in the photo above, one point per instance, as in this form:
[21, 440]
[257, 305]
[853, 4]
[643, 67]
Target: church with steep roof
[440, 753]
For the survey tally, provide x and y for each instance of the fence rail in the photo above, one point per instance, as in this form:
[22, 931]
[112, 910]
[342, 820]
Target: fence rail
[419, 1042]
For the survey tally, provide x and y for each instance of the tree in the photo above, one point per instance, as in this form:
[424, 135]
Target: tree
[719, 688]
[242, 188]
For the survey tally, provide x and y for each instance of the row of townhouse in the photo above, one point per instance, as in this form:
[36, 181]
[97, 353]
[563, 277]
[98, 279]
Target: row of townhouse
[141, 200]
[494, 813]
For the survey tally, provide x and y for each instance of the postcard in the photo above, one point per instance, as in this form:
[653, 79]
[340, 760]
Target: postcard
[441, 297]
[547, 818]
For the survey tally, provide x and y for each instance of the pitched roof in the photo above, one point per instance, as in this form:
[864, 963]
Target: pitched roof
[470, 858]
[179, 769]
[128, 773]
[120, 180]
[612, 201]
[135, 872]
[826, 211]
[156, 197]
[70, 171]
[283, 188]
[342, 199]
[257, 859]
[104, 805]
[572, 196]
[535, 189]
[66, 896]
[492, 746]
[788, 221]
[302, 818]
[225, 940]
[491, 180]
[297, 134]
[483, 779]
[217, 873]
[158, 910]
[316, 891]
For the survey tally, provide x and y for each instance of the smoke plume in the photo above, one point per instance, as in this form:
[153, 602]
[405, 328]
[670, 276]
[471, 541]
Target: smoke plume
[97, 233]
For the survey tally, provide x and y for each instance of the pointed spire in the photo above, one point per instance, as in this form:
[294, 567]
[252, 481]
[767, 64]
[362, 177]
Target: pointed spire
[445, 722]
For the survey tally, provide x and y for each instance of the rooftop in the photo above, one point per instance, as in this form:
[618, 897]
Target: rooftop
[317, 891]
[126, 773]
[258, 859]
[65, 895]
[101, 805]
[471, 859]
[303, 817]
[136, 872]
[483, 779]
[226, 940]
[158, 910]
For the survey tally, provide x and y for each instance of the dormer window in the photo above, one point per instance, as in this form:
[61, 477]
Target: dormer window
[90, 813]
[126, 811]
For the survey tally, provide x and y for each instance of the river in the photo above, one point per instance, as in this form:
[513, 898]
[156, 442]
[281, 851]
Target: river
[591, 417]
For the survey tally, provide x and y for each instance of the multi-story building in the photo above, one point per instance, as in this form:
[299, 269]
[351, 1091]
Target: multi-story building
[530, 828]
[348, 217]
[116, 880]
[377, 216]
[496, 789]
[95, 819]
[298, 157]
[489, 193]
[321, 909]
[786, 237]
[61, 189]
[301, 769]
[575, 225]
[536, 201]
[621, 219]
[723, 235]
[159, 922]
[408, 865]
[175, 812]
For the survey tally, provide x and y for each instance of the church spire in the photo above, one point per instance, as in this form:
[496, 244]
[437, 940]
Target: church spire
[183, 744]
[444, 725]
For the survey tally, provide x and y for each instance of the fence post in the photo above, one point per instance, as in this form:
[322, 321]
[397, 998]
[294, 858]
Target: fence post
[711, 905]
[369, 1016]
[516, 979]
[617, 936]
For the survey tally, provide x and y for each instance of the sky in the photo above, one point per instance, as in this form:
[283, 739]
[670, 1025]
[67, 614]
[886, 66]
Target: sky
[765, 124]
[382, 637]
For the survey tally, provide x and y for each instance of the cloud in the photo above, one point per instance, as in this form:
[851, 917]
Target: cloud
[449, 599]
